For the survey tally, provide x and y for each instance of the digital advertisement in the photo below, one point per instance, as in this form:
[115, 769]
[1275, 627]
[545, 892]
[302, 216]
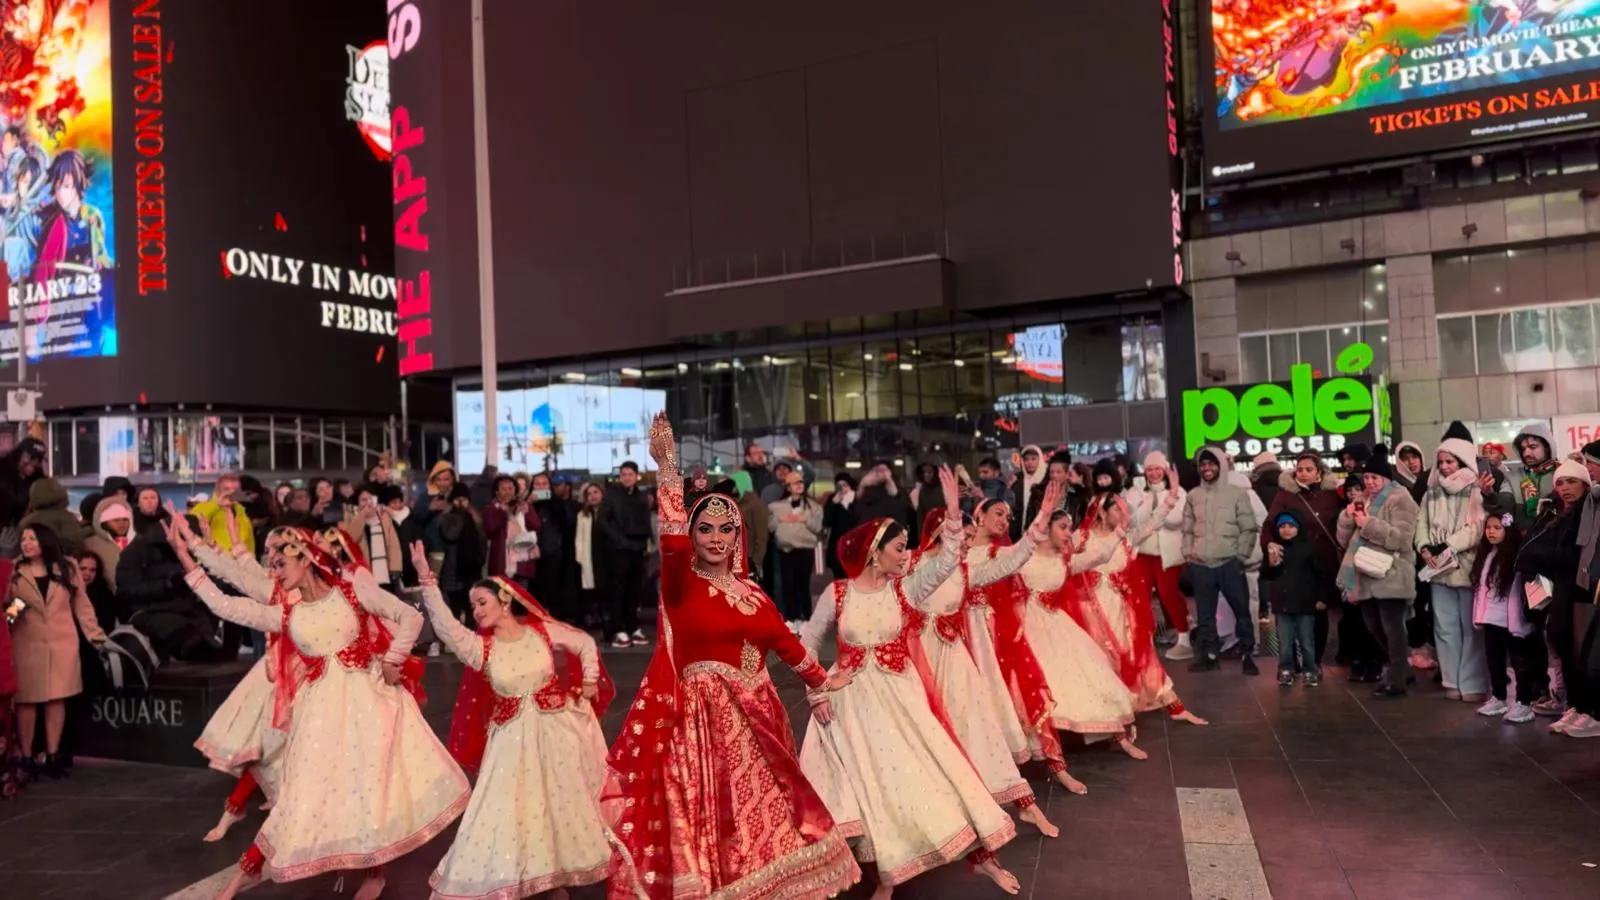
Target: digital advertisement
[1299, 84]
[594, 428]
[56, 183]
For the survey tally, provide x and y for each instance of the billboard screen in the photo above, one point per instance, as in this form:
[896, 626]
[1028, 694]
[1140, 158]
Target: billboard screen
[564, 426]
[55, 185]
[1300, 84]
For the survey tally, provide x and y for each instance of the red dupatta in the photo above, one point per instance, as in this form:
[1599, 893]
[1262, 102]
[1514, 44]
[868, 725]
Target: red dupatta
[1024, 677]
[1138, 653]
[477, 700]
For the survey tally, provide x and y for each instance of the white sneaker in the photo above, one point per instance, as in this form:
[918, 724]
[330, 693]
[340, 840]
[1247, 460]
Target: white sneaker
[638, 636]
[1517, 713]
[433, 649]
[1583, 727]
[1561, 725]
[1493, 708]
[1182, 649]
[621, 640]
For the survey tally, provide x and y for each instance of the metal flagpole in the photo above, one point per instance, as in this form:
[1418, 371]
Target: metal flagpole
[480, 135]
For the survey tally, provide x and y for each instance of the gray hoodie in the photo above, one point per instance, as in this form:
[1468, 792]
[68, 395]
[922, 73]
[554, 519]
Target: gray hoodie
[1219, 522]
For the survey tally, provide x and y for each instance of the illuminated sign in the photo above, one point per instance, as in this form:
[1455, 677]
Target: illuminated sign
[150, 140]
[1171, 66]
[1038, 352]
[1291, 417]
[415, 299]
[287, 270]
[366, 95]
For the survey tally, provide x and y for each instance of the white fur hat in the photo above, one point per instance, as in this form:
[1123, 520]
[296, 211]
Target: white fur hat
[1156, 458]
[1572, 469]
[1460, 449]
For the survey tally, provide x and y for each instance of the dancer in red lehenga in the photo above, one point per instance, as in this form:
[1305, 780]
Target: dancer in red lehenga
[705, 793]
[1106, 608]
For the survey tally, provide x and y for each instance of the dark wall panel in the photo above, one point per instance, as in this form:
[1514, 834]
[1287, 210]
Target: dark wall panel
[874, 146]
[747, 167]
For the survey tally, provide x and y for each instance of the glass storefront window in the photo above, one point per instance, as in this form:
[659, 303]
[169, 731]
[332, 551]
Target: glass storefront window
[285, 445]
[1457, 350]
[1573, 330]
[61, 448]
[1253, 367]
[86, 445]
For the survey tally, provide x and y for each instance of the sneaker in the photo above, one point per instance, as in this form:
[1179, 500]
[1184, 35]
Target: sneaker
[620, 640]
[1313, 680]
[1549, 707]
[247, 650]
[433, 649]
[1182, 649]
[1561, 725]
[1250, 667]
[1205, 664]
[1518, 713]
[1494, 707]
[1388, 692]
[1583, 727]
[1286, 677]
[638, 636]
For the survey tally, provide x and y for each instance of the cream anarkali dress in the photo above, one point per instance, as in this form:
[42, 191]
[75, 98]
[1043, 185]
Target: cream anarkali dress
[240, 735]
[534, 821]
[971, 707]
[886, 767]
[1090, 699]
[980, 635]
[365, 780]
[1156, 690]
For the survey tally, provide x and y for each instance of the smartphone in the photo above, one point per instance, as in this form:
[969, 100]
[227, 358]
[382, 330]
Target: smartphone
[1544, 504]
[1485, 467]
[540, 495]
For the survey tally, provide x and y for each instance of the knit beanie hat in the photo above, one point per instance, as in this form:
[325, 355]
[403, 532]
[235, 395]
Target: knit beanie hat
[1156, 458]
[1461, 449]
[1571, 468]
[1591, 450]
[1378, 464]
[1264, 459]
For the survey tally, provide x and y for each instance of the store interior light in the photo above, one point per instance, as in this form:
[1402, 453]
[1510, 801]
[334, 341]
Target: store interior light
[632, 373]
[574, 376]
[906, 367]
[867, 357]
[682, 368]
[852, 464]
[960, 363]
[1008, 360]
[852, 395]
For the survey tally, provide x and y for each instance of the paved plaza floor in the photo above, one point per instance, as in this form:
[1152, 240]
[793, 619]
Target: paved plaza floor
[1293, 794]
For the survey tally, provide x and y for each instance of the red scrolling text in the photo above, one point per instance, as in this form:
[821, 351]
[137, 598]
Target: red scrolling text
[414, 306]
[1172, 138]
[149, 139]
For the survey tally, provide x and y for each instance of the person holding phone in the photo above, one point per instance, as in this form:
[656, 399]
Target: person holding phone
[378, 534]
[1449, 524]
[1378, 573]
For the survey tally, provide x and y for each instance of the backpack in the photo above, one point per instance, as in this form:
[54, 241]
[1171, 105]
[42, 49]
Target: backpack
[129, 657]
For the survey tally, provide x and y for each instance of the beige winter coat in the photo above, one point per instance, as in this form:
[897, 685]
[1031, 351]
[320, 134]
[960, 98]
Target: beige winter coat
[44, 639]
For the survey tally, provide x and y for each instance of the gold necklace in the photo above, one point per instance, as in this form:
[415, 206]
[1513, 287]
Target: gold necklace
[732, 589]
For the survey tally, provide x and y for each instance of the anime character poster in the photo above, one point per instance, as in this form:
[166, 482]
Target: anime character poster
[1283, 60]
[55, 176]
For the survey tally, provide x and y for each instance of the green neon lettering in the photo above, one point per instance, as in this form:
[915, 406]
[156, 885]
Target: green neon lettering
[1340, 405]
[1200, 428]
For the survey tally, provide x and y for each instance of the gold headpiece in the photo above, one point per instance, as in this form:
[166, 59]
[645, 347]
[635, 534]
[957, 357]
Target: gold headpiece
[716, 506]
[504, 593]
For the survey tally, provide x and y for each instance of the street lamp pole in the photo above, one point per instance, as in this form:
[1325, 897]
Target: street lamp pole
[480, 140]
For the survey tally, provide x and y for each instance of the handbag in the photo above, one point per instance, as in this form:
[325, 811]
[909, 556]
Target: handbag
[1538, 592]
[1373, 563]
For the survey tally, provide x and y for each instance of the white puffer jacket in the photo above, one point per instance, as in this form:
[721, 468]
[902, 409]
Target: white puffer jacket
[1166, 532]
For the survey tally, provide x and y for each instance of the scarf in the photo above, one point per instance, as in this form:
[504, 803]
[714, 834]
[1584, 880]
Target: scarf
[583, 549]
[1347, 568]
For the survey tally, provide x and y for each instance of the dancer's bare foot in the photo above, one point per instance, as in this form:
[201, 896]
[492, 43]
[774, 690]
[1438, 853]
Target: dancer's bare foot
[1189, 717]
[1127, 745]
[240, 883]
[371, 887]
[228, 820]
[1007, 881]
[883, 892]
[1072, 784]
[266, 805]
[1034, 816]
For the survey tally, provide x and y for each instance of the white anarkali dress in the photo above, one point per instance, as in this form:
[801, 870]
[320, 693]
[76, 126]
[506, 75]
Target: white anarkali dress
[365, 780]
[240, 735]
[980, 637]
[888, 770]
[971, 707]
[534, 821]
[1090, 699]
[1155, 689]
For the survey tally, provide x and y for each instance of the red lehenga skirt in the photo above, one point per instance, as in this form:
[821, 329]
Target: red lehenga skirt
[731, 815]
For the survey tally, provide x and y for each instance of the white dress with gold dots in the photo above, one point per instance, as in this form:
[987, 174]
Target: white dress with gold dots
[534, 821]
[886, 767]
[980, 632]
[365, 780]
[1090, 698]
[972, 708]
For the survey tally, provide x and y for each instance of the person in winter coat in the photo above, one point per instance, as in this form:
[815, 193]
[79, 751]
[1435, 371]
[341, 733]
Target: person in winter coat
[1292, 578]
[926, 494]
[19, 469]
[227, 502]
[1411, 469]
[1449, 524]
[112, 530]
[45, 639]
[160, 604]
[558, 522]
[503, 519]
[1162, 501]
[1032, 475]
[625, 518]
[1219, 535]
[1075, 500]
[379, 536]
[1265, 470]
[839, 515]
[880, 497]
[1552, 551]
[47, 506]
[1383, 523]
[1227, 627]
[464, 551]
[796, 523]
[1537, 448]
[1312, 494]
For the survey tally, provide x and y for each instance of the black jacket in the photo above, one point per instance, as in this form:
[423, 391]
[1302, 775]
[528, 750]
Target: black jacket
[465, 550]
[149, 576]
[1293, 586]
[1264, 481]
[625, 519]
[558, 522]
[1550, 550]
[837, 520]
[874, 501]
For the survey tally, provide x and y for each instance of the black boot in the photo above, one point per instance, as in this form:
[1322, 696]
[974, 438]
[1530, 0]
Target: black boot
[1250, 667]
[53, 767]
